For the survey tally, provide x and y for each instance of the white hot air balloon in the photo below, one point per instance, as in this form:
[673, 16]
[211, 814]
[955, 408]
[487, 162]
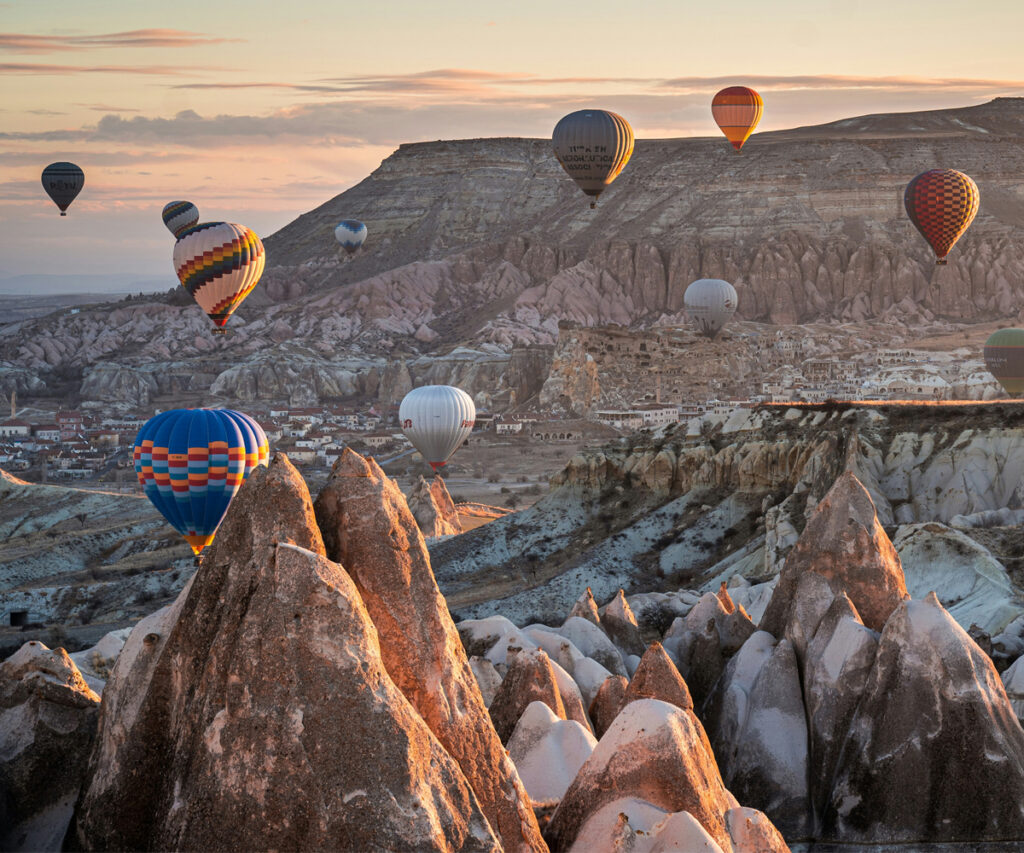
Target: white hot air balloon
[437, 419]
[710, 302]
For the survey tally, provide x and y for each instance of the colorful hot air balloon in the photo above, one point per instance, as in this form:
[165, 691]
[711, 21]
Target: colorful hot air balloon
[437, 419]
[351, 233]
[710, 302]
[179, 216]
[63, 182]
[219, 263]
[191, 462]
[1004, 358]
[593, 146]
[737, 110]
[942, 203]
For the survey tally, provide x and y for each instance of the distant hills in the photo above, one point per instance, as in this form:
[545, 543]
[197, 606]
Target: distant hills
[60, 285]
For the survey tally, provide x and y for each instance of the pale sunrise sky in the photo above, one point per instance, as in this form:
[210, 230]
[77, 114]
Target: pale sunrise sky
[260, 111]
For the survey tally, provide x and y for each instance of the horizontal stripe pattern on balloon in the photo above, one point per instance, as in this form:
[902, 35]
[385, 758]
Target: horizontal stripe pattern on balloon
[737, 110]
[219, 263]
[179, 216]
[191, 462]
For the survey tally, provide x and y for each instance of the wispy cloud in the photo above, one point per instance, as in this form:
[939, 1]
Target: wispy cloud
[836, 82]
[31, 43]
[154, 70]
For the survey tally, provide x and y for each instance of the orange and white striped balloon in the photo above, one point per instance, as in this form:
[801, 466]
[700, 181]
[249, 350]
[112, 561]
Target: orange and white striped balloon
[737, 110]
[219, 263]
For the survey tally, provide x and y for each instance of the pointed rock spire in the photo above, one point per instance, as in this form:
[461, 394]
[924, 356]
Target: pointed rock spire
[620, 625]
[586, 608]
[657, 678]
[844, 542]
[368, 528]
[220, 724]
[933, 732]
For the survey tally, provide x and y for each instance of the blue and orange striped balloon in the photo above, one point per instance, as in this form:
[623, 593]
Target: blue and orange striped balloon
[191, 462]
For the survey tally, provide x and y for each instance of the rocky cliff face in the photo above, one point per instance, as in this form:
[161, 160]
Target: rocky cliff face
[486, 242]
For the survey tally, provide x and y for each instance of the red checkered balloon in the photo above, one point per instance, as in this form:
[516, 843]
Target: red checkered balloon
[942, 203]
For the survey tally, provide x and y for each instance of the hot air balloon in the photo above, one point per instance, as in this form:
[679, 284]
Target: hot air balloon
[62, 182]
[219, 263]
[710, 302]
[191, 462]
[737, 110]
[942, 203]
[351, 233]
[179, 216]
[1004, 358]
[593, 146]
[437, 419]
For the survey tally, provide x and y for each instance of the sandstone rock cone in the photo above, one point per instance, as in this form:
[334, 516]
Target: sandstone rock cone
[530, 678]
[843, 542]
[935, 753]
[256, 713]
[368, 528]
[620, 625]
[654, 752]
[433, 508]
[586, 608]
[47, 722]
[610, 698]
[658, 678]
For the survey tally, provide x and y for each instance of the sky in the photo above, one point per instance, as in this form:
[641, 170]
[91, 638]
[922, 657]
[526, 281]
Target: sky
[260, 111]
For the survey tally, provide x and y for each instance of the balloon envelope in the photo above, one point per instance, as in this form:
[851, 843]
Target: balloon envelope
[710, 302]
[63, 182]
[179, 216]
[219, 263]
[351, 233]
[1004, 358]
[942, 203]
[737, 110]
[437, 419]
[593, 146]
[191, 462]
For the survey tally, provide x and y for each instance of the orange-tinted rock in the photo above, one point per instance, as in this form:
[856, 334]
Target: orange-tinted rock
[368, 528]
[658, 678]
[256, 713]
[845, 543]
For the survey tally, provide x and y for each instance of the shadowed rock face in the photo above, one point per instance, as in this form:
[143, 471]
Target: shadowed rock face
[47, 723]
[530, 678]
[433, 509]
[843, 542]
[605, 707]
[935, 752]
[256, 713]
[368, 528]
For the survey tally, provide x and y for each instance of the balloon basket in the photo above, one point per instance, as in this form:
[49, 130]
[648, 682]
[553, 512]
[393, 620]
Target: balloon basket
[941, 262]
[220, 331]
[62, 213]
